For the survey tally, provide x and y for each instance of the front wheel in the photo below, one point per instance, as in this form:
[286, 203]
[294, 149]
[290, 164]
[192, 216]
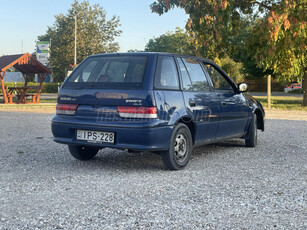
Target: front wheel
[83, 153]
[181, 144]
[251, 139]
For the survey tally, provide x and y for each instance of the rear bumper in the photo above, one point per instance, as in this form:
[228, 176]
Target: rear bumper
[135, 138]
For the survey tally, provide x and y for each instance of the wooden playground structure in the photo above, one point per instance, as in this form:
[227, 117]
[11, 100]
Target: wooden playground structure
[27, 65]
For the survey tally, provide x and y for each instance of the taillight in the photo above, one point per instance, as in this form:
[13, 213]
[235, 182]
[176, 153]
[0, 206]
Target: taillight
[137, 112]
[67, 109]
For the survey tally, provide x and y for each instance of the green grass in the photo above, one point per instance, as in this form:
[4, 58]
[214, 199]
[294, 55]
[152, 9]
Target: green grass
[280, 102]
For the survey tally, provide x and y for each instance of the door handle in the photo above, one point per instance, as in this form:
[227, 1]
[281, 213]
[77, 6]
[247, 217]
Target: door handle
[223, 103]
[192, 103]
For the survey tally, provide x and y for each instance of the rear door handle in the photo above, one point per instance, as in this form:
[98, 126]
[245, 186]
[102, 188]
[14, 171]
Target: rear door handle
[223, 103]
[192, 103]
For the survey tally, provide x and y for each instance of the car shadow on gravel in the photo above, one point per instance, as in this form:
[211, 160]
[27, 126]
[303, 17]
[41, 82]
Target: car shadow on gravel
[218, 148]
[113, 159]
[121, 159]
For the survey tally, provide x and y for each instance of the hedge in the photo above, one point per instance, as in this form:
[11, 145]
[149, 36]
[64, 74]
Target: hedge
[260, 85]
[47, 87]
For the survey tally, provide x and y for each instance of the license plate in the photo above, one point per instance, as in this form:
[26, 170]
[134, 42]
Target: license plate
[95, 136]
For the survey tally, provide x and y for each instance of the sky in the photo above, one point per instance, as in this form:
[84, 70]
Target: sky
[21, 22]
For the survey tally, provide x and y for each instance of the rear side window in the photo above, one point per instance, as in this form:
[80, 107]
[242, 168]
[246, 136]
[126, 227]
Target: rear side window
[109, 72]
[197, 80]
[166, 74]
[186, 80]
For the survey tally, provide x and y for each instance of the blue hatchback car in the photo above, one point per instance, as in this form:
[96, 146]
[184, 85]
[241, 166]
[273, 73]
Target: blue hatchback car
[157, 102]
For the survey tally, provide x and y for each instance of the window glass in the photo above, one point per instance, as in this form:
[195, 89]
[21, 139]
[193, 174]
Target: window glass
[186, 81]
[166, 74]
[198, 78]
[85, 74]
[137, 73]
[219, 82]
[109, 72]
[118, 71]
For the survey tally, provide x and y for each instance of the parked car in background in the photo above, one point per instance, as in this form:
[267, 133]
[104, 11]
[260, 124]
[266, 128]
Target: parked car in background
[158, 102]
[292, 86]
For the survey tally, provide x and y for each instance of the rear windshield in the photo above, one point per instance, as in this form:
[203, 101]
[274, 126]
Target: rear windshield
[109, 72]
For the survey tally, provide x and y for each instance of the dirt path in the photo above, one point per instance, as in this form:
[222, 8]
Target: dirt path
[30, 108]
[286, 114]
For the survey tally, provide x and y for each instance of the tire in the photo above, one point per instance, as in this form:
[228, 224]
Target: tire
[180, 149]
[251, 139]
[83, 153]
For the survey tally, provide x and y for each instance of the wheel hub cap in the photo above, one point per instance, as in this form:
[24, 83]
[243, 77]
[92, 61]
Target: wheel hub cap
[180, 147]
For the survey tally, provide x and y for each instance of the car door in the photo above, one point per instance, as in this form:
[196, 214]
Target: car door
[201, 103]
[232, 105]
[167, 91]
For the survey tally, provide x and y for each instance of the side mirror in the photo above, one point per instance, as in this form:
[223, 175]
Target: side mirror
[242, 87]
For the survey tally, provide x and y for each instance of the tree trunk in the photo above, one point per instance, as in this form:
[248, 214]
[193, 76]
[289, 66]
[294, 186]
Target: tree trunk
[304, 87]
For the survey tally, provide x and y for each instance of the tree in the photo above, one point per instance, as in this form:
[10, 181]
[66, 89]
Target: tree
[172, 42]
[95, 34]
[278, 40]
[233, 69]
[134, 51]
[240, 50]
[212, 23]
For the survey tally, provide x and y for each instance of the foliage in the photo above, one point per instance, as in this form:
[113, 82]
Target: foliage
[47, 87]
[233, 69]
[296, 91]
[277, 42]
[172, 42]
[240, 51]
[95, 34]
[134, 51]
[212, 23]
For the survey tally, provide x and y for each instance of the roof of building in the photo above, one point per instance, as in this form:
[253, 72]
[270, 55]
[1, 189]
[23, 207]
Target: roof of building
[24, 63]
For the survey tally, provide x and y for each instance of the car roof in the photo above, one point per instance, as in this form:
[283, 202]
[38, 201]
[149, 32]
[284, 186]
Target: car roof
[150, 54]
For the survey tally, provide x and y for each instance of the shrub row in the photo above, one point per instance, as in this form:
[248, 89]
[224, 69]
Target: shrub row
[47, 87]
[296, 91]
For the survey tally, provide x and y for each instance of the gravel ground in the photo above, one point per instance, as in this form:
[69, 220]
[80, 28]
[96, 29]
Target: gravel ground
[225, 186]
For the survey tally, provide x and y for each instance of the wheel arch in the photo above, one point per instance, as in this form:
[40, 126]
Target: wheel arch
[260, 119]
[190, 124]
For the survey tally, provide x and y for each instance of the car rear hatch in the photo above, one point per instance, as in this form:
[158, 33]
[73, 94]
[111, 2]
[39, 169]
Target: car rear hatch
[108, 89]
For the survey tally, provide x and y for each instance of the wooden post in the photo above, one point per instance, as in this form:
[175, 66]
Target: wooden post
[5, 100]
[42, 78]
[304, 87]
[269, 92]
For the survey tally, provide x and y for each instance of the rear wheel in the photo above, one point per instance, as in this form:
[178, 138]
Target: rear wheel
[251, 139]
[181, 144]
[83, 153]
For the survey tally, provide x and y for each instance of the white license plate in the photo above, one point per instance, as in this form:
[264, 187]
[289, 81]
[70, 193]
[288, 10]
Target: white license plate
[95, 136]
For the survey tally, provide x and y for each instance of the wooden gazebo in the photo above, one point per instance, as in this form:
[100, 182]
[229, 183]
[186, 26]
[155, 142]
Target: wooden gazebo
[27, 65]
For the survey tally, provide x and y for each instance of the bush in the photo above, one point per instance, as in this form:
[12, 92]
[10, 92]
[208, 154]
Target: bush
[233, 69]
[47, 87]
[300, 91]
[50, 87]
